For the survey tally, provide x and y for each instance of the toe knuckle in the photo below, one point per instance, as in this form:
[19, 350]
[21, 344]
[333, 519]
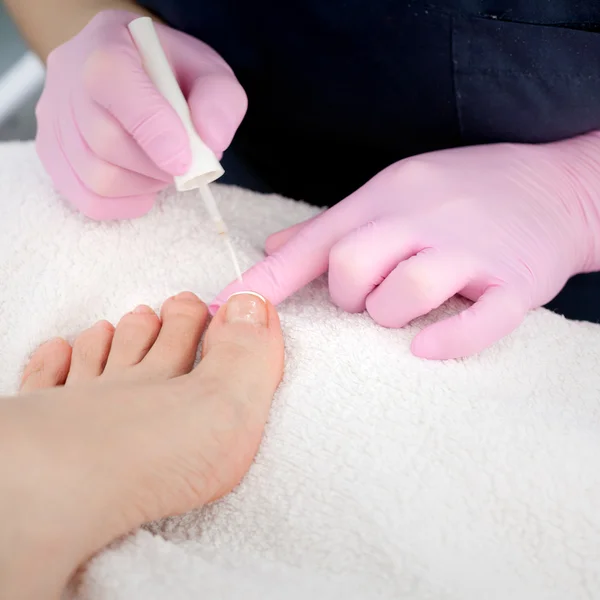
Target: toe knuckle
[85, 348]
[84, 351]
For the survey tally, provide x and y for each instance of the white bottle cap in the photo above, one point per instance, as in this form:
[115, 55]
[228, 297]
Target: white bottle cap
[205, 167]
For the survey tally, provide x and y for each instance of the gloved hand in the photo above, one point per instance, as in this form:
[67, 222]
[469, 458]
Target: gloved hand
[106, 136]
[502, 225]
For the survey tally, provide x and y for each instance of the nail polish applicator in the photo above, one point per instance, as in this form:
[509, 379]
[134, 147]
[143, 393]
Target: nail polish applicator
[205, 167]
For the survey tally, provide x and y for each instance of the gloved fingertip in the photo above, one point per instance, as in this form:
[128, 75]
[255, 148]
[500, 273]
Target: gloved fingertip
[428, 347]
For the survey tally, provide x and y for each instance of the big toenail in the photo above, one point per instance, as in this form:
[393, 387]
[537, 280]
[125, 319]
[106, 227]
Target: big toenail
[142, 309]
[247, 307]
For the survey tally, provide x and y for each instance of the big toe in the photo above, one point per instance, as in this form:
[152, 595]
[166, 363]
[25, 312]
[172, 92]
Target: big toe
[173, 354]
[48, 367]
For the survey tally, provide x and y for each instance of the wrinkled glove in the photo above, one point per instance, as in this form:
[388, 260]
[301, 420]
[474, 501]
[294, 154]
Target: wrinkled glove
[106, 136]
[502, 225]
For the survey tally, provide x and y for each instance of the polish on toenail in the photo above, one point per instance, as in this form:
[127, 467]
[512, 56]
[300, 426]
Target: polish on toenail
[246, 307]
[250, 294]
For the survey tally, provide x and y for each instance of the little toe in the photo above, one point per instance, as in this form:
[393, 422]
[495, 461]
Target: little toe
[134, 336]
[90, 353]
[184, 319]
[48, 367]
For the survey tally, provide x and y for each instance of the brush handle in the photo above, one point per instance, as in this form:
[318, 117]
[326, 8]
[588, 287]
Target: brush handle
[205, 167]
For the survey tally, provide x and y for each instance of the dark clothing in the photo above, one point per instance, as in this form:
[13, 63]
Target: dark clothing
[357, 85]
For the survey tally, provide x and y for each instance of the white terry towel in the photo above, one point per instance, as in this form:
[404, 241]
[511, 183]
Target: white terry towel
[381, 475]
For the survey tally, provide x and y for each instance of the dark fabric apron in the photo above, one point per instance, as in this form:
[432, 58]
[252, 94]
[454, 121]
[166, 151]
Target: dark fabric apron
[340, 89]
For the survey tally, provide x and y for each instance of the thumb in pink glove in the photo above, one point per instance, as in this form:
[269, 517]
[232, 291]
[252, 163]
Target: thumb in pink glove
[503, 225]
[106, 136]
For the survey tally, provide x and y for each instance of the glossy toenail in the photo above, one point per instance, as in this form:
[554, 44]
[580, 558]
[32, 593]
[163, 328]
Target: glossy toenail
[249, 294]
[142, 309]
[104, 325]
[246, 307]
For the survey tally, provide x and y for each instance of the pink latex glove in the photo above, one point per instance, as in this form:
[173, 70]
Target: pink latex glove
[106, 136]
[502, 225]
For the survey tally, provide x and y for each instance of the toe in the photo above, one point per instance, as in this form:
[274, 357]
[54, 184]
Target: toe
[90, 353]
[48, 367]
[134, 336]
[184, 318]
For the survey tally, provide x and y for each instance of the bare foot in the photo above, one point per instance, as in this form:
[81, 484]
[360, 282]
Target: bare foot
[142, 348]
[130, 433]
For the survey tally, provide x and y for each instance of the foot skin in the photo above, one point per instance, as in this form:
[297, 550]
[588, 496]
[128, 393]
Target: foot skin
[142, 348]
[123, 430]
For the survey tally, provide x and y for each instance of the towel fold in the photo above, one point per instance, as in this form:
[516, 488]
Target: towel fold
[380, 475]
